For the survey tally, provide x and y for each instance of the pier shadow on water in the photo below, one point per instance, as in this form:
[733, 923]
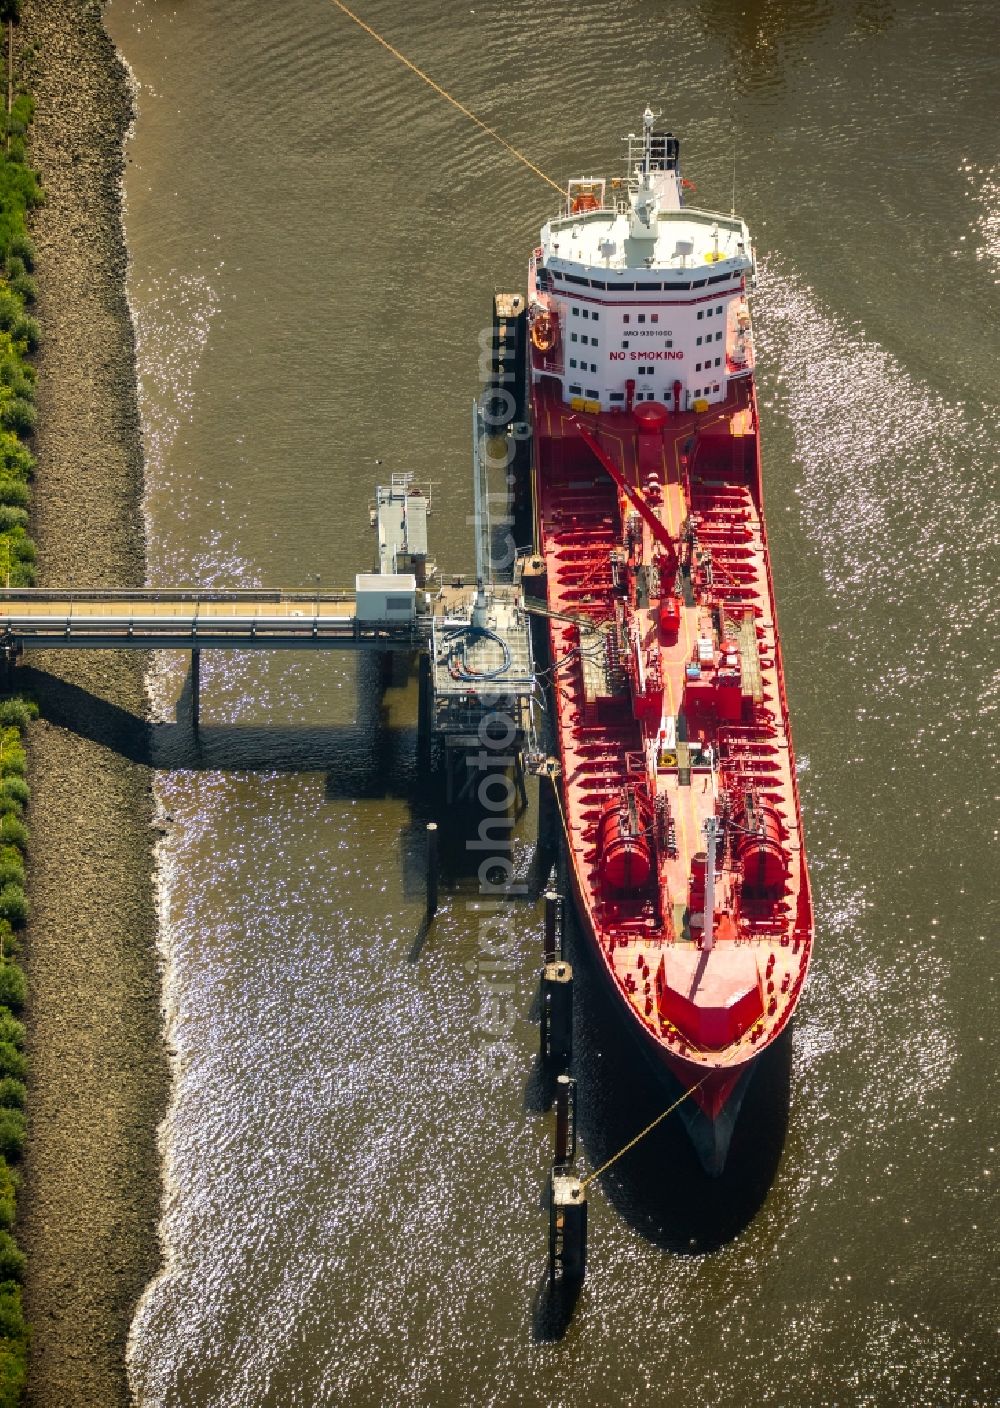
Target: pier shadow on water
[366, 758]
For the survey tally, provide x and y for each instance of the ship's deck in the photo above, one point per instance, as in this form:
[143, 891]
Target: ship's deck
[711, 458]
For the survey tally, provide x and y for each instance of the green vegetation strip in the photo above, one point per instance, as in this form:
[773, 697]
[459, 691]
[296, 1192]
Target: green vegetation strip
[15, 715]
[20, 193]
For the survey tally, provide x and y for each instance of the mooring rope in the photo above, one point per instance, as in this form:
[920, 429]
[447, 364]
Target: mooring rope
[641, 1135]
[447, 96]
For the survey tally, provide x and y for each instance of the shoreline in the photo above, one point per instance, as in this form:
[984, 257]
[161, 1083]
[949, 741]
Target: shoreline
[99, 1078]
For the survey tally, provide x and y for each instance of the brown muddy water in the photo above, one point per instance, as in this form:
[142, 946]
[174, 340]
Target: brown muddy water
[353, 1192]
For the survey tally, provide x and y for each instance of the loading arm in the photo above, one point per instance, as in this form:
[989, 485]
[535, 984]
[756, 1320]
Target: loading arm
[657, 529]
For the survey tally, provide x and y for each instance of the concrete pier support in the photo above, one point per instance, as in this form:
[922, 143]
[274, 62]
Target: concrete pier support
[567, 1227]
[195, 689]
[432, 869]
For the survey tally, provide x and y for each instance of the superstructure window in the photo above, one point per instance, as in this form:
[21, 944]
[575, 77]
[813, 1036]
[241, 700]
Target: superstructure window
[642, 317]
[718, 335]
[586, 312]
[654, 317]
[585, 339]
[576, 311]
[719, 309]
[572, 362]
[593, 342]
[625, 319]
[697, 366]
[718, 360]
[593, 367]
[575, 391]
[701, 314]
[617, 396]
[624, 346]
[595, 315]
[699, 342]
[592, 393]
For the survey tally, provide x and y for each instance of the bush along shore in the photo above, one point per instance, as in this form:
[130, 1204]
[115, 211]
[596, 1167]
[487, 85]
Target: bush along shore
[15, 715]
[20, 192]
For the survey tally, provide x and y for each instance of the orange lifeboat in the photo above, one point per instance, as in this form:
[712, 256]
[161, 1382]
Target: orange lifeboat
[623, 844]
[545, 332]
[585, 201]
[762, 856]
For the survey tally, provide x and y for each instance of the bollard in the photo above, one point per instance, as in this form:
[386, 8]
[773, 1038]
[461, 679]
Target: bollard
[556, 1025]
[565, 1121]
[567, 1227]
[432, 869]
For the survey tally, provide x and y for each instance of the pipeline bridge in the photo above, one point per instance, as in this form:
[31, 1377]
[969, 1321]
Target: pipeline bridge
[35, 619]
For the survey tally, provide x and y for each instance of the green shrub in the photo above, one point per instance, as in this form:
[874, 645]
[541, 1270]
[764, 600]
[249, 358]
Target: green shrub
[11, 1030]
[13, 906]
[25, 288]
[13, 760]
[21, 546]
[13, 832]
[17, 374]
[11, 1259]
[13, 1093]
[14, 494]
[28, 331]
[8, 1207]
[13, 994]
[17, 711]
[19, 415]
[11, 867]
[16, 462]
[12, 518]
[13, 1131]
[11, 310]
[16, 789]
[20, 244]
[12, 1062]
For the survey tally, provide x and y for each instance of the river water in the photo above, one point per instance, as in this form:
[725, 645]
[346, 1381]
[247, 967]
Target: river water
[353, 1183]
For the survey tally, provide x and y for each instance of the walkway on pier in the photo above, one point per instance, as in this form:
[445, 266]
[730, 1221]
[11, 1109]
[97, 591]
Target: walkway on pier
[195, 620]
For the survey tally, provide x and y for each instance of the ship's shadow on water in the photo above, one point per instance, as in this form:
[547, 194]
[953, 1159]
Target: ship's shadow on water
[660, 1188]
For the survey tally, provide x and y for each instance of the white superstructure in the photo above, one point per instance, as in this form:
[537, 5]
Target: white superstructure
[636, 297]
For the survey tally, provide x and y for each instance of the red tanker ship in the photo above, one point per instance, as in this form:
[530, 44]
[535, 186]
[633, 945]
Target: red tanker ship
[678, 779]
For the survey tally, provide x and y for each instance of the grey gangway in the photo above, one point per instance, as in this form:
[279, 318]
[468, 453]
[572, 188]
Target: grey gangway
[37, 619]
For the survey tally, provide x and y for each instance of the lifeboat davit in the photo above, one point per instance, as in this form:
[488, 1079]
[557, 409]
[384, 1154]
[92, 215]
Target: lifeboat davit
[623, 844]
[762, 855]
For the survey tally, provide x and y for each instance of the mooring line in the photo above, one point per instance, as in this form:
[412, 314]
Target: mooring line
[446, 95]
[641, 1135]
